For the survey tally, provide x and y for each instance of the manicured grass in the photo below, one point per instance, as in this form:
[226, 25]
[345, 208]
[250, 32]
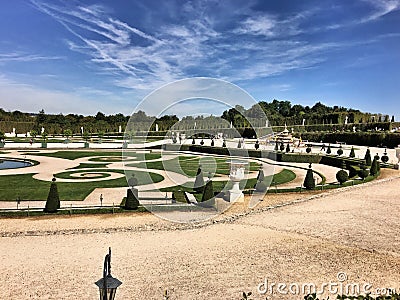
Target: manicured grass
[23, 213]
[28, 188]
[88, 165]
[188, 165]
[282, 177]
[108, 159]
[67, 175]
[74, 154]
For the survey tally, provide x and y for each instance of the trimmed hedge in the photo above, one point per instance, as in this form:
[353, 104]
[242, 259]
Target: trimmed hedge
[53, 199]
[372, 139]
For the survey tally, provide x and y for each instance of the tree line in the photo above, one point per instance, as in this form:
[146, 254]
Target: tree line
[277, 112]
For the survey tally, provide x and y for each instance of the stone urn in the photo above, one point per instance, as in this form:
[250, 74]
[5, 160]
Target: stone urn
[237, 172]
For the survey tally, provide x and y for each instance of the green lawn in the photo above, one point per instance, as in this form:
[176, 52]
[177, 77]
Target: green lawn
[74, 154]
[282, 177]
[88, 166]
[28, 188]
[187, 165]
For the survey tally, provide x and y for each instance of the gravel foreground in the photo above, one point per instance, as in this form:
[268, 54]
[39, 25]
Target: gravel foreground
[343, 236]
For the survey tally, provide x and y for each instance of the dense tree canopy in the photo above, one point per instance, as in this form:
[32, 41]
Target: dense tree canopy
[277, 112]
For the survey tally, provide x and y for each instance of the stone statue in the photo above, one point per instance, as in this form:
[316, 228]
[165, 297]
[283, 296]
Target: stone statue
[132, 182]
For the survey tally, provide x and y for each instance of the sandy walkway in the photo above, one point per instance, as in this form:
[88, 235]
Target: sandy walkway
[353, 230]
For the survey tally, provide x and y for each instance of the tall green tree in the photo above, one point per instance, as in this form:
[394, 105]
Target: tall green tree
[67, 133]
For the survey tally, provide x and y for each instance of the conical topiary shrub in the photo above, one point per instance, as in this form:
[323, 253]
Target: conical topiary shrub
[367, 157]
[208, 192]
[374, 168]
[287, 148]
[212, 143]
[224, 144]
[329, 150]
[199, 181]
[276, 146]
[53, 199]
[352, 153]
[193, 141]
[239, 145]
[282, 147]
[257, 145]
[132, 199]
[261, 186]
[260, 176]
[309, 182]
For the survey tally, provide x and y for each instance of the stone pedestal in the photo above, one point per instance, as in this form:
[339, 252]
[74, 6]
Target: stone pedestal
[236, 196]
[236, 175]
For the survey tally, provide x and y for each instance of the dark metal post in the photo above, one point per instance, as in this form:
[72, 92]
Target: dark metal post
[108, 284]
[106, 271]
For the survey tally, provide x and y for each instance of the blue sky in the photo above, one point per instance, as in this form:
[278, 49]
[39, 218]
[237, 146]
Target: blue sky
[89, 56]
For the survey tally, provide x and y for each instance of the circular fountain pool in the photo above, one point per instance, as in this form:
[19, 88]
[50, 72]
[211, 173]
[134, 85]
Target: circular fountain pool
[6, 163]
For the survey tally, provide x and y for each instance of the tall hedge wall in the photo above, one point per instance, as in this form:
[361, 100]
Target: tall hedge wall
[372, 139]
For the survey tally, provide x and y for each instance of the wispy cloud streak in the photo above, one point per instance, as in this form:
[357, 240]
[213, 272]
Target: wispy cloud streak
[254, 45]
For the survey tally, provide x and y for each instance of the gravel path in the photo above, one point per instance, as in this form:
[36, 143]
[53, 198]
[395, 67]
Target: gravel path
[351, 230]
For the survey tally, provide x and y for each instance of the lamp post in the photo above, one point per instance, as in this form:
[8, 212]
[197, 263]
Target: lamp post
[108, 285]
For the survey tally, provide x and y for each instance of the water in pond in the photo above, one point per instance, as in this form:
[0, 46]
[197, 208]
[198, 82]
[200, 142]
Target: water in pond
[13, 164]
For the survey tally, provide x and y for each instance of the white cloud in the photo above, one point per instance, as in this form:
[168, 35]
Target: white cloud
[260, 45]
[259, 25]
[378, 9]
[23, 57]
[381, 8]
